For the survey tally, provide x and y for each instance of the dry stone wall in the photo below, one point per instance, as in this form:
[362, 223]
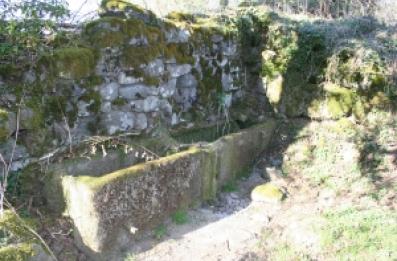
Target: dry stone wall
[123, 73]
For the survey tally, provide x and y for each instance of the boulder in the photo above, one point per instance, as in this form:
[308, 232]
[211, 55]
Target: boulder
[267, 193]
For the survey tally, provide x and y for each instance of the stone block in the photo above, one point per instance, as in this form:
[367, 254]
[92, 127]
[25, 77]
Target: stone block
[113, 209]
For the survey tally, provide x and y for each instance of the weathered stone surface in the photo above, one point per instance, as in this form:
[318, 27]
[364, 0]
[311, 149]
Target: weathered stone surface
[150, 104]
[176, 70]
[117, 121]
[155, 68]
[141, 122]
[168, 89]
[106, 107]
[185, 97]
[229, 48]
[82, 107]
[216, 38]
[186, 81]
[123, 79]
[139, 41]
[177, 36]
[227, 82]
[138, 91]
[110, 91]
[166, 107]
[141, 196]
[20, 156]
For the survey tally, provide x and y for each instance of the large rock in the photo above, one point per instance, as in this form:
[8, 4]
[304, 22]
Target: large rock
[138, 91]
[117, 121]
[267, 193]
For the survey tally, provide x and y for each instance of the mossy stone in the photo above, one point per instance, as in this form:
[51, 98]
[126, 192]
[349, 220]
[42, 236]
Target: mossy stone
[267, 193]
[74, 62]
[274, 90]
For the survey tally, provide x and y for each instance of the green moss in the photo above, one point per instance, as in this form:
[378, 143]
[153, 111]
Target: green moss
[94, 98]
[119, 5]
[230, 186]
[9, 71]
[267, 193]
[97, 183]
[119, 102]
[181, 17]
[17, 227]
[135, 56]
[358, 67]
[92, 81]
[181, 53]
[3, 115]
[151, 80]
[180, 217]
[18, 252]
[116, 31]
[37, 121]
[340, 101]
[210, 87]
[74, 62]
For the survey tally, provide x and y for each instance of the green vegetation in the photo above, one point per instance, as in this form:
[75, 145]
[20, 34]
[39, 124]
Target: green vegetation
[160, 232]
[180, 217]
[230, 186]
[19, 252]
[130, 257]
[354, 234]
[74, 63]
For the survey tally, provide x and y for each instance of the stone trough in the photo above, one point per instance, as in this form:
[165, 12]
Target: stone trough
[112, 210]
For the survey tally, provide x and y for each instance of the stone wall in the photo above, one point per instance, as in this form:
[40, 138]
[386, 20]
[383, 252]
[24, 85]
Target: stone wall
[126, 72]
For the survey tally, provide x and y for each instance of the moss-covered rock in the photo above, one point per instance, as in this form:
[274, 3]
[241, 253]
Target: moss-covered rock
[357, 67]
[74, 62]
[267, 193]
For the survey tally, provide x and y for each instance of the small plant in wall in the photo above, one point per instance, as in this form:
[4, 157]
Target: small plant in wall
[160, 232]
[230, 186]
[180, 217]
